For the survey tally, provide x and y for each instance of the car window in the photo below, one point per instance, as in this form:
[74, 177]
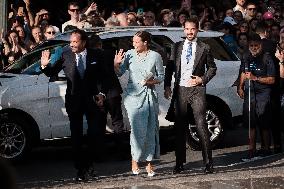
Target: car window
[219, 49]
[30, 63]
[34, 69]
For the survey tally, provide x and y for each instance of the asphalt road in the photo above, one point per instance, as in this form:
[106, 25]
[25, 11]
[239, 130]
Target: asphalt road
[50, 166]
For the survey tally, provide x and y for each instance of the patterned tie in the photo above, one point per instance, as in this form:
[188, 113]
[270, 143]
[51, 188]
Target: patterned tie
[80, 66]
[189, 52]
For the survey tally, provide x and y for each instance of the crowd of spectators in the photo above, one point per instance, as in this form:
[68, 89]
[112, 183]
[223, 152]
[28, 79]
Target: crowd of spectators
[27, 28]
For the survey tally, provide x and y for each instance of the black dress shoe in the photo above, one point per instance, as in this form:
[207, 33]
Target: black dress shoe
[209, 169]
[81, 175]
[178, 169]
[91, 171]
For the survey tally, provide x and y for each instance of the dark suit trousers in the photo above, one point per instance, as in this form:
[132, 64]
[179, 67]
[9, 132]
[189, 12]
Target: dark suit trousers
[84, 158]
[113, 106]
[189, 96]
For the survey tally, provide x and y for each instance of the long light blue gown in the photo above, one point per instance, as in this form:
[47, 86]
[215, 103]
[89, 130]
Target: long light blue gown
[141, 103]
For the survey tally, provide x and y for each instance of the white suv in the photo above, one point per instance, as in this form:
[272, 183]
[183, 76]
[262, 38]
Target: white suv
[32, 104]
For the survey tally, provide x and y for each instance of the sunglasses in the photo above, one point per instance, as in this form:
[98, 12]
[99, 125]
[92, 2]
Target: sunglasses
[51, 32]
[73, 10]
[250, 9]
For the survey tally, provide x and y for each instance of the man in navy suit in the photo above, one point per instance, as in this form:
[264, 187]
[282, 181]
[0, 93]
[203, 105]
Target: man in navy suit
[84, 73]
[112, 103]
[194, 67]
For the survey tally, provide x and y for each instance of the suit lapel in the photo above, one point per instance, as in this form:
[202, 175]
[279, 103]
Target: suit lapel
[72, 67]
[198, 54]
[178, 60]
[88, 60]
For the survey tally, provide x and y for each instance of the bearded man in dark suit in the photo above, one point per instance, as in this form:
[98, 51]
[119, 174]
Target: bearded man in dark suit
[84, 72]
[194, 67]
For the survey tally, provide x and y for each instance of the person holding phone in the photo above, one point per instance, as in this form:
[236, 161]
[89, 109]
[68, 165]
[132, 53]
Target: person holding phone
[141, 100]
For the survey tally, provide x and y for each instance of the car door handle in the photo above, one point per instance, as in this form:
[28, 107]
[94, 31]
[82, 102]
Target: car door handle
[57, 78]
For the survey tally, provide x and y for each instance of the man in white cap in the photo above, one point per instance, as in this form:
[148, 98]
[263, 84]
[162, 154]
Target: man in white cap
[230, 20]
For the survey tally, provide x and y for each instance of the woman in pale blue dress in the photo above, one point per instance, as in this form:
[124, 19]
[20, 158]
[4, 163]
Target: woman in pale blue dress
[141, 100]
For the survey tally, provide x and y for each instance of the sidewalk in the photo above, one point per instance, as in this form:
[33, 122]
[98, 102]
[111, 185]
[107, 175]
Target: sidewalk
[230, 173]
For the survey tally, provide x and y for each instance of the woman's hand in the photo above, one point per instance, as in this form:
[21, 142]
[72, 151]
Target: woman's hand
[150, 82]
[118, 57]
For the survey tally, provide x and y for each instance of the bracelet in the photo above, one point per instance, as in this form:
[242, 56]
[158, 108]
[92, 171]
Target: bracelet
[281, 63]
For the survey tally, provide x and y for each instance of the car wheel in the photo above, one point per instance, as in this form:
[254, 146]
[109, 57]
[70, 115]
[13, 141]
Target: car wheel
[216, 122]
[15, 139]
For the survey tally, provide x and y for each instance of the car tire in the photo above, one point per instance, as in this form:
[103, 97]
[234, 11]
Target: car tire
[216, 120]
[15, 139]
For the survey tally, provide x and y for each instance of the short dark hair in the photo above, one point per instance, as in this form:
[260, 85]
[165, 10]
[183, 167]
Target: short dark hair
[145, 36]
[183, 12]
[192, 20]
[70, 27]
[94, 41]
[254, 37]
[74, 3]
[260, 28]
[82, 33]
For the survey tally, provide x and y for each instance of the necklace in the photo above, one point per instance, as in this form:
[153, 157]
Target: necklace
[141, 57]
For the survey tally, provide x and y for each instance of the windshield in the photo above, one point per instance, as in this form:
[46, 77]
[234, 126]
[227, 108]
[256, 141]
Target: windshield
[30, 63]
[220, 49]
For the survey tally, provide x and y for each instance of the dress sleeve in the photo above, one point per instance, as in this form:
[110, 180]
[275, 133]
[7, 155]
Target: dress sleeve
[160, 73]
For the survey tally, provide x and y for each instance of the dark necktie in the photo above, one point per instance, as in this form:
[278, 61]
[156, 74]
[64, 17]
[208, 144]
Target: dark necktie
[80, 66]
[189, 52]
